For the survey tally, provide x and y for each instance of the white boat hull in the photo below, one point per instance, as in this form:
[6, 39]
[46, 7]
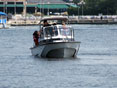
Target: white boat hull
[56, 50]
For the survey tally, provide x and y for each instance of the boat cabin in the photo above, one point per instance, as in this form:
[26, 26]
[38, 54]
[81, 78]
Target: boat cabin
[55, 30]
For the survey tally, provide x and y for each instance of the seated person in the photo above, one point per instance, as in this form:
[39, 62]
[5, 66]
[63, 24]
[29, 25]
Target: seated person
[63, 25]
[46, 23]
[54, 23]
[65, 30]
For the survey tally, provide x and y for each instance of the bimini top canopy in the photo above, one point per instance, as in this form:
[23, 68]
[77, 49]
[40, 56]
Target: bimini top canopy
[54, 18]
[2, 13]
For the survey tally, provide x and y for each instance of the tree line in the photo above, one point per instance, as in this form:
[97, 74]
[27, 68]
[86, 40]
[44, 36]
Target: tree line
[94, 7]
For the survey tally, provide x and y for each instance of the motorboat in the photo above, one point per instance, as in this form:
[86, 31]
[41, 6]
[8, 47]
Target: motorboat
[56, 40]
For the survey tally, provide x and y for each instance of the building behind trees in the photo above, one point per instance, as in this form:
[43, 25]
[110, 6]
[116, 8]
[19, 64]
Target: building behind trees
[33, 6]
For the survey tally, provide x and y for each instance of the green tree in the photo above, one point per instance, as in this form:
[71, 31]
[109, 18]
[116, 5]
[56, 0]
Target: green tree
[106, 7]
[95, 7]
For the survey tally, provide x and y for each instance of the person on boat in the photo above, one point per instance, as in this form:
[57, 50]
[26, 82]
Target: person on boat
[46, 23]
[65, 29]
[36, 37]
[63, 25]
[54, 23]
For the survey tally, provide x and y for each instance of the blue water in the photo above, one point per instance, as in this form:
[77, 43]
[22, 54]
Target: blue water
[94, 67]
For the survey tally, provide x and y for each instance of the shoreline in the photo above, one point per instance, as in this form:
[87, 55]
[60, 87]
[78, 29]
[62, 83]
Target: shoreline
[72, 20]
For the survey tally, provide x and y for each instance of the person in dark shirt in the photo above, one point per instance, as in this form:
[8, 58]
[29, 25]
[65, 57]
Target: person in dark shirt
[35, 38]
[46, 23]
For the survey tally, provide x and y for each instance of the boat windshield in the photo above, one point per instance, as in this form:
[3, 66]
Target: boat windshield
[65, 31]
[51, 31]
[58, 31]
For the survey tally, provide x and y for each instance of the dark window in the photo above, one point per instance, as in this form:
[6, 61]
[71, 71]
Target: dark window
[10, 2]
[19, 2]
[1, 2]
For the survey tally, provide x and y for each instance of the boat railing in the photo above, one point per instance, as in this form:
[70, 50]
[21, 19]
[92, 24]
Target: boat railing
[58, 32]
[50, 31]
[67, 33]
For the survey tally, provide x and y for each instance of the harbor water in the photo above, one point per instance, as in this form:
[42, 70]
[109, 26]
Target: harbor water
[94, 67]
